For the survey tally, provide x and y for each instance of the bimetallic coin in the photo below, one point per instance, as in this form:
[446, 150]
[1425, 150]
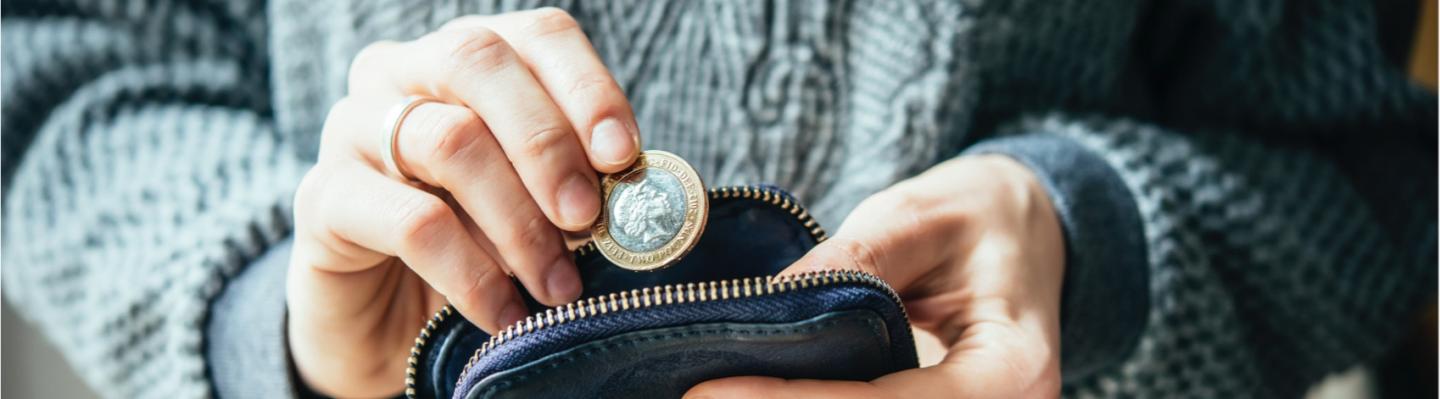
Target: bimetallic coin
[654, 212]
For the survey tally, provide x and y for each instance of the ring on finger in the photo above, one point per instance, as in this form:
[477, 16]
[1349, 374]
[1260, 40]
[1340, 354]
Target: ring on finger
[394, 119]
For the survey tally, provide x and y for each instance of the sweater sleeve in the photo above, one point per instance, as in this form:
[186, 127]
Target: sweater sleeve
[1267, 267]
[141, 171]
[1104, 294]
[1281, 164]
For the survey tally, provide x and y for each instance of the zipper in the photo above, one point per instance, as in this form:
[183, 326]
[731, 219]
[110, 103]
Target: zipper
[708, 291]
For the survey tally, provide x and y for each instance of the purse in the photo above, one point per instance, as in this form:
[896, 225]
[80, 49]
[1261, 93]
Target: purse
[721, 311]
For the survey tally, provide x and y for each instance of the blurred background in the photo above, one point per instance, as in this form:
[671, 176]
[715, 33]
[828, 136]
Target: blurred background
[31, 367]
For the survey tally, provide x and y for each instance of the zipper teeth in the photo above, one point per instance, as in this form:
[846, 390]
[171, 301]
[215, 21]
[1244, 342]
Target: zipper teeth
[662, 295]
[669, 294]
[413, 362]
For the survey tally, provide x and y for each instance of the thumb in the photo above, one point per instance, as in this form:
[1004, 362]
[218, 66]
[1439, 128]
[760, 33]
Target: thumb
[890, 235]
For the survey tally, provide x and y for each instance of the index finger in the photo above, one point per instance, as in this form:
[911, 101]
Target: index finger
[480, 70]
[550, 41]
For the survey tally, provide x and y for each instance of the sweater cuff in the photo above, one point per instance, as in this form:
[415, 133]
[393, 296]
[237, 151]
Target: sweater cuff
[1105, 297]
[246, 347]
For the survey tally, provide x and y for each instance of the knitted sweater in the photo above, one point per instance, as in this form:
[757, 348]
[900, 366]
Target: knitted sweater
[1246, 187]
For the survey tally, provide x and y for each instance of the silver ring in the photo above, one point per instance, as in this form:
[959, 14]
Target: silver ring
[394, 119]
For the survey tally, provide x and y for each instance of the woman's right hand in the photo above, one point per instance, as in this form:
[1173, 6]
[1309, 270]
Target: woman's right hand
[506, 158]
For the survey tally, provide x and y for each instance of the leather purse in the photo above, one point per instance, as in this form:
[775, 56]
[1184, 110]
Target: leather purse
[719, 312]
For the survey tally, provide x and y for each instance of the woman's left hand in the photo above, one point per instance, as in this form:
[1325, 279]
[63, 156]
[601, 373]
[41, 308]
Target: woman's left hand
[975, 250]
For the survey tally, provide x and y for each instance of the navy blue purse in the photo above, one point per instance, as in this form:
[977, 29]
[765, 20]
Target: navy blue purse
[719, 312]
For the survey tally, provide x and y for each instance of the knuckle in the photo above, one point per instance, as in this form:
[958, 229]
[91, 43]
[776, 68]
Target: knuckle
[313, 210]
[480, 276]
[893, 200]
[921, 214]
[478, 50]
[463, 22]
[421, 221]
[456, 135]
[368, 58]
[308, 192]
[370, 53]
[533, 236]
[590, 85]
[341, 110]
[538, 141]
[484, 280]
[859, 255]
[551, 20]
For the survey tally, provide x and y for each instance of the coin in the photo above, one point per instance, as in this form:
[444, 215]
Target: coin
[654, 212]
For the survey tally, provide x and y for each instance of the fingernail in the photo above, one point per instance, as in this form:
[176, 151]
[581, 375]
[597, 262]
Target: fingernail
[613, 144]
[513, 313]
[562, 282]
[579, 201]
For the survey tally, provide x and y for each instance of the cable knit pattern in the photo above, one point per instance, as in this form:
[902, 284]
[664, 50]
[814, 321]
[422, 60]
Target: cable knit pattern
[1295, 69]
[150, 173]
[1283, 172]
[725, 84]
[1267, 271]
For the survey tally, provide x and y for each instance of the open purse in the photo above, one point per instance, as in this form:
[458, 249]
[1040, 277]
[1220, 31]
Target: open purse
[719, 312]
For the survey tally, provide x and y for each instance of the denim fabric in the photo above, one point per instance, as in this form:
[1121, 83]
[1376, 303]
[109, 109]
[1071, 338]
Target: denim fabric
[245, 336]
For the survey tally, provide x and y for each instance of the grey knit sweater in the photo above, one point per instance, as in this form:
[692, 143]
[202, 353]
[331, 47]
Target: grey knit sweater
[1246, 187]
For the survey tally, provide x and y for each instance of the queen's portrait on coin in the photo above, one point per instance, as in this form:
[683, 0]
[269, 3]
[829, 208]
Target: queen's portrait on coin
[649, 212]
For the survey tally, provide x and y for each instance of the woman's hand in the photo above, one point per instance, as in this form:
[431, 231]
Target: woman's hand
[506, 158]
[976, 252]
